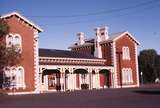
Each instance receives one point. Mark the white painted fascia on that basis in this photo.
(98, 60)
(22, 17)
(138, 43)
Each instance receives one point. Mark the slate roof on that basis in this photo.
(112, 36)
(63, 54)
(90, 41)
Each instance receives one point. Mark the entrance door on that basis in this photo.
(51, 81)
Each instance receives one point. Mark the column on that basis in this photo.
(98, 79)
(61, 81)
(70, 79)
(90, 79)
(112, 78)
(40, 79)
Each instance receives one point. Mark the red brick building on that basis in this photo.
(107, 60)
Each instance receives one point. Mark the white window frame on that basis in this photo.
(127, 75)
(14, 41)
(19, 76)
(9, 41)
(125, 53)
(19, 42)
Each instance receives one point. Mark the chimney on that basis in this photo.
(80, 38)
(97, 51)
(104, 33)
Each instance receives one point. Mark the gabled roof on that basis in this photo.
(116, 36)
(23, 18)
(64, 54)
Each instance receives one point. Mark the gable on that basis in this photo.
(25, 20)
(127, 34)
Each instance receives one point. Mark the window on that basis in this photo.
(16, 76)
(127, 75)
(125, 53)
(9, 40)
(20, 77)
(14, 40)
(17, 40)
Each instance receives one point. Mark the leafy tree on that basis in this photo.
(4, 28)
(9, 56)
(149, 64)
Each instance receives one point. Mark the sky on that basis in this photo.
(61, 20)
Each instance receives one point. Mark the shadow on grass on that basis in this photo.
(148, 92)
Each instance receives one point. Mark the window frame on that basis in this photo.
(125, 53)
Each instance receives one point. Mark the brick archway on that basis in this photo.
(105, 78)
(53, 78)
(81, 77)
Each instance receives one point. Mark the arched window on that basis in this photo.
(125, 53)
(17, 41)
(17, 77)
(20, 77)
(127, 75)
(7, 72)
(9, 40)
(130, 78)
(13, 77)
(14, 40)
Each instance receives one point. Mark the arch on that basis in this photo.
(53, 78)
(93, 72)
(7, 72)
(20, 77)
(81, 74)
(9, 40)
(105, 78)
(50, 71)
(66, 71)
(17, 39)
(80, 71)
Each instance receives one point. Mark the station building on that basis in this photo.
(104, 61)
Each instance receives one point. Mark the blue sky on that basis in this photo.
(60, 19)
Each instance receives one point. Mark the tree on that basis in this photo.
(4, 28)
(149, 64)
(9, 56)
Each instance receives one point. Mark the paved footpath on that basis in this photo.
(144, 97)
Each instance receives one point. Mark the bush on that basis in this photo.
(84, 86)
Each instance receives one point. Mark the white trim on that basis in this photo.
(137, 70)
(127, 75)
(22, 17)
(128, 86)
(58, 58)
(115, 65)
(129, 35)
(14, 71)
(13, 41)
(70, 67)
(126, 53)
(22, 93)
(36, 63)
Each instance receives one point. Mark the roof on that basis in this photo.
(64, 54)
(112, 37)
(89, 42)
(23, 18)
(115, 36)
